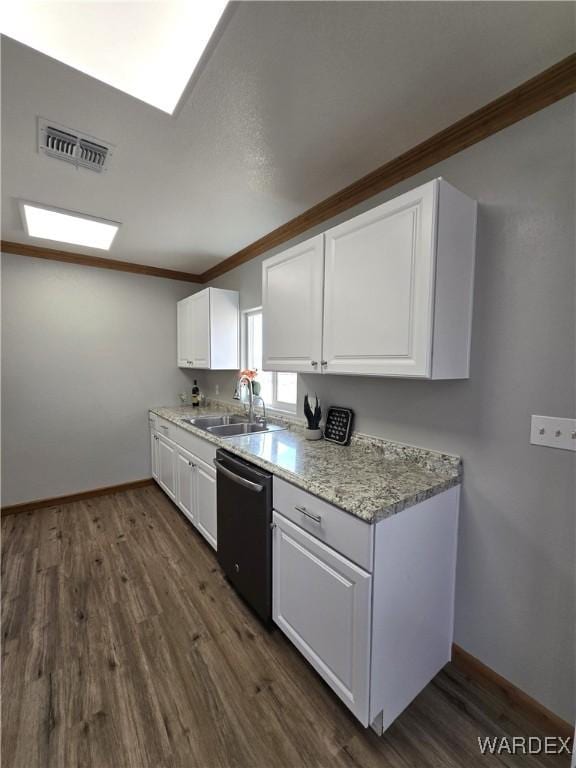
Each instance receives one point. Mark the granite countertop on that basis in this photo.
(371, 478)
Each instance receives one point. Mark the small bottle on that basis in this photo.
(195, 394)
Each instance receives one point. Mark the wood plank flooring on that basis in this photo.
(125, 647)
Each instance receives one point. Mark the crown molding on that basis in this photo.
(535, 94)
(22, 249)
(546, 88)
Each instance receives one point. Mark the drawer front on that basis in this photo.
(163, 426)
(200, 448)
(345, 533)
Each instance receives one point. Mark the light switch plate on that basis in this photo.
(553, 432)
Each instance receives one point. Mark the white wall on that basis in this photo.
(85, 353)
(515, 601)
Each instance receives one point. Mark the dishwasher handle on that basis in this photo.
(256, 487)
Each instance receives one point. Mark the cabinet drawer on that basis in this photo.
(163, 426)
(200, 448)
(343, 532)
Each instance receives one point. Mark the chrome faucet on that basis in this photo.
(248, 382)
(263, 419)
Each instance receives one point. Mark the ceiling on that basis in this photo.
(294, 101)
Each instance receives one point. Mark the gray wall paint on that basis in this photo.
(85, 353)
(515, 597)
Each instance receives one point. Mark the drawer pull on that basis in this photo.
(163, 426)
(311, 515)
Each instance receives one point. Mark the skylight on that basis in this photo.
(147, 48)
(68, 227)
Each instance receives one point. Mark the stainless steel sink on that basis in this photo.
(206, 422)
(246, 428)
(229, 425)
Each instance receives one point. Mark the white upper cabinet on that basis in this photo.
(292, 288)
(184, 336)
(208, 330)
(379, 283)
(200, 329)
(397, 290)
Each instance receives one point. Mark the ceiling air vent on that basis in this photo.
(72, 146)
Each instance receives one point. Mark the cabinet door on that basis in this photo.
(379, 281)
(184, 336)
(206, 502)
(154, 453)
(200, 329)
(167, 466)
(292, 288)
(322, 602)
(186, 483)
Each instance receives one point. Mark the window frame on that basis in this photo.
(274, 404)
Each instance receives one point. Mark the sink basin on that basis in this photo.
(206, 422)
(246, 428)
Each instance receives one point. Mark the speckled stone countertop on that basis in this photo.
(371, 478)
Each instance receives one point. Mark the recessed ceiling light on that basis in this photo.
(147, 48)
(67, 226)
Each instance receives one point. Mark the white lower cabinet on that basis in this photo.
(370, 606)
(206, 502)
(377, 633)
(188, 480)
(167, 466)
(154, 453)
(322, 602)
(186, 484)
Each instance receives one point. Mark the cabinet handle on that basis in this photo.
(163, 426)
(324, 363)
(311, 515)
(314, 363)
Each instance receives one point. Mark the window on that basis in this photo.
(277, 389)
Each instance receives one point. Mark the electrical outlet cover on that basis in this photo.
(553, 432)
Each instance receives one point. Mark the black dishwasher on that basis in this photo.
(244, 503)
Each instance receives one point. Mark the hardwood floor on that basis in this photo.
(124, 647)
